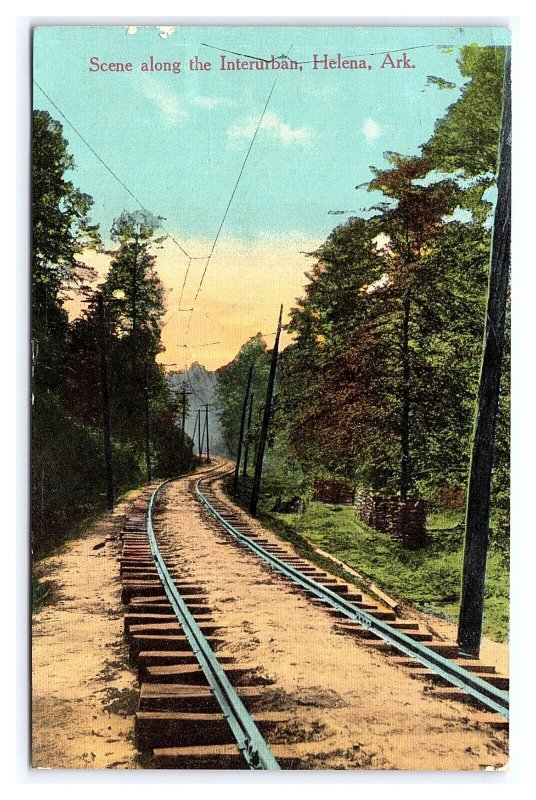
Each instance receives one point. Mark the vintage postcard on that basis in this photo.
(270, 397)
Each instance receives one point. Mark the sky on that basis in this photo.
(176, 143)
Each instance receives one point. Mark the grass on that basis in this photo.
(429, 578)
(41, 593)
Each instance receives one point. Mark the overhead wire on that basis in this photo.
(122, 184)
(109, 169)
(142, 206)
(226, 211)
(259, 123)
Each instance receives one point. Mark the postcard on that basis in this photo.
(270, 397)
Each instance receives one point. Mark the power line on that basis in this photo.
(105, 165)
(194, 346)
(235, 189)
(358, 55)
(201, 400)
(231, 198)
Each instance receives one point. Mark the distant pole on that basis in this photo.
(193, 434)
(206, 425)
(265, 421)
(172, 443)
(480, 474)
(148, 428)
(106, 405)
(242, 427)
(246, 437)
(183, 435)
(199, 431)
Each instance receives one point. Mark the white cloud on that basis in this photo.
(371, 130)
(272, 126)
(168, 104)
(211, 102)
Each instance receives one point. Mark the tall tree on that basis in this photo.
(410, 228)
(134, 299)
(61, 230)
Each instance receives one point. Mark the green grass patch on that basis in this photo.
(42, 592)
(429, 578)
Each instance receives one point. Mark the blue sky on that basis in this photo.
(178, 141)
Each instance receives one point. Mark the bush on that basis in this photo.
(68, 476)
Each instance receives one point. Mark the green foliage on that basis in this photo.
(132, 288)
(42, 591)
(342, 383)
(231, 389)
(466, 139)
(134, 305)
(68, 481)
(441, 83)
(68, 476)
(60, 221)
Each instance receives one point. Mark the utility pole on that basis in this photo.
(265, 422)
(206, 425)
(183, 428)
(480, 474)
(246, 437)
(242, 427)
(106, 405)
(193, 434)
(183, 440)
(199, 432)
(148, 427)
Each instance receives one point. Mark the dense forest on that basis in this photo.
(120, 324)
(379, 385)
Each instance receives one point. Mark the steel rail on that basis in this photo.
(493, 698)
(249, 739)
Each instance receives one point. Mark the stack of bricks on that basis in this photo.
(403, 521)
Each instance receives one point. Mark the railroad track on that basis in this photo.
(194, 698)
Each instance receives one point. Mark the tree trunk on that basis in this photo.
(405, 464)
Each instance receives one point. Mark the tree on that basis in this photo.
(134, 301)
(61, 230)
(343, 379)
(410, 228)
(232, 380)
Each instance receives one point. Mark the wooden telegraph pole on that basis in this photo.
(265, 422)
(148, 427)
(206, 426)
(193, 434)
(184, 393)
(199, 432)
(106, 405)
(242, 427)
(246, 437)
(480, 475)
